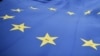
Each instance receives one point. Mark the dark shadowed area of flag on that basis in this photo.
(49, 27)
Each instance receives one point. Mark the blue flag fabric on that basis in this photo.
(50, 28)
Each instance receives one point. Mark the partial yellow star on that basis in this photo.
(7, 17)
(52, 9)
(70, 13)
(90, 43)
(87, 12)
(34, 8)
(47, 39)
(20, 27)
(17, 10)
(98, 13)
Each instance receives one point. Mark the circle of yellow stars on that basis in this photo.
(47, 39)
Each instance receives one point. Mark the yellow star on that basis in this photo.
(70, 13)
(20, 27)
(52, 9)
(90, 43)
(7, 17)
(17, 10)
(34, 8)
(88, 12)
(47, 39)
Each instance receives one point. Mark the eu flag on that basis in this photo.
(49, 27)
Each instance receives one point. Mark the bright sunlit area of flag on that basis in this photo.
(49, 27)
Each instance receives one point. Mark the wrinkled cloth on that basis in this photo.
(69, 28)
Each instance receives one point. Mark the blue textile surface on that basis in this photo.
(75, 23)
